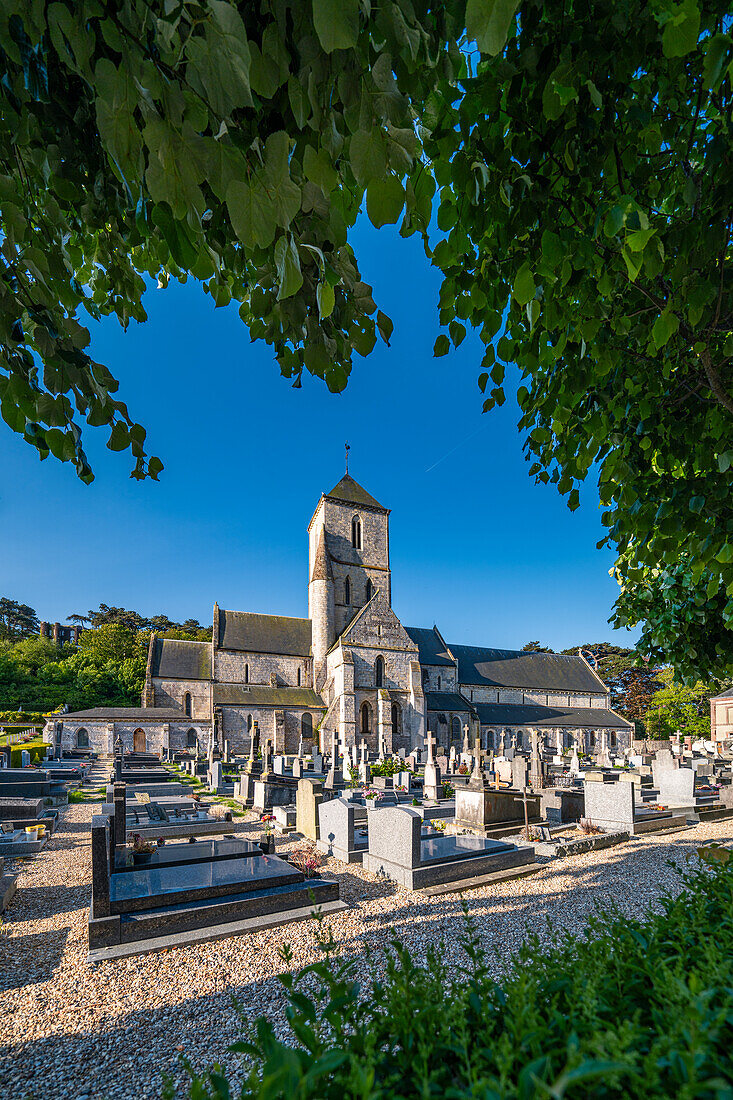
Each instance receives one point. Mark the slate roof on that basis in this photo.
(252, 633)
(176, 659)
(515, 668)
(134, 714)
(322, 565)
(447, 700)
(432, 648)
(351, 492)
(253, 695)
(532, 714)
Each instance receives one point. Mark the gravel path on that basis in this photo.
(69, 1031)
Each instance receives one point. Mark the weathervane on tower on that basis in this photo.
(347, 449)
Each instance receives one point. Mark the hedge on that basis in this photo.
(37, 749)
(638, 1009)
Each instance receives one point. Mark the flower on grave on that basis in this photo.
(140, 844)
(400, 788)
(463, 769)
(267, 820)
(372, 794)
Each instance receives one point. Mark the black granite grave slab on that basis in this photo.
(211, 911)
(145, 888)
(203, 851)
(445, 849)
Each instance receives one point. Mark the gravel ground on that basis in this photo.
(70, 1031)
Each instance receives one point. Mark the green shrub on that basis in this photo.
(37, 749)
(638, 1010)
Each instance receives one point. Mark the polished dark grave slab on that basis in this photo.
(445, 849)
(228, 884)
(203, 851)
(146, 887)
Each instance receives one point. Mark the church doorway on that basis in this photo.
(138, 741)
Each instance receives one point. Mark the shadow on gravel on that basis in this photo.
(356, 889)
(39, 954)
(49, 901)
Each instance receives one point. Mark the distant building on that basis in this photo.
(352, 667)
(721, 716)
(60, 634)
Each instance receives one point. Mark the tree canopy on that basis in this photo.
(576, 156)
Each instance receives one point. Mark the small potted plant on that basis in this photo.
(268, 844)
(31, 832)
(142, 849)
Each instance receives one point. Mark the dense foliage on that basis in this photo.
(679, 708)
(107, 669)
(17, 620)
(584, 203)
(231, 141)
(641, 1009)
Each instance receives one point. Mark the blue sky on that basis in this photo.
(476, 546)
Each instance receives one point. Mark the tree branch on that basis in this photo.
(715, 382)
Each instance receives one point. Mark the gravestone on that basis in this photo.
(308, 799)
(520, 772)
(432, 786)
(399, 850)
(343, 829)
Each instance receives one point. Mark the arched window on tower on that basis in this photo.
(246, 674)
(440, 683)
(366, 719)
(356, 533)
(299, 675)
(369, 590)
(347, 591)
(306, 727)
(379, 672)
(187, 704)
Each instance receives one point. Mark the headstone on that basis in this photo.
(519, 773)
(432, 786)
(25, 758)
(308, 798)
(343, 829)
(334, 778)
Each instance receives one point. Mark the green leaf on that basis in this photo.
(717, 49)
(368, 155)
(725, 461)
(638, 240)
(488, 22)
(326, 299)
(219, 59)
(385, 326)
(524, 286)
(252, 214)
(287, 262)
(681, 30)
(319, 169)
(336, 23)
(665, 326)
(385, 201)
(442, 346)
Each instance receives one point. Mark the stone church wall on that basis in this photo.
(230, 667)
(172, 693)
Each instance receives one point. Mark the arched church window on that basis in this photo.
(456, 728)
(249, 723)
(356, 533)
(396, 718)
(440, 683)
(306, 727)
(366, 719)
(246, 674)
(379, 672)
(187, 704)
(369, 590)
(347, 591)
(191, 739)
(298, 675)
(82, 739)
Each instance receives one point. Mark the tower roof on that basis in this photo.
(322, 564)
(351, 492)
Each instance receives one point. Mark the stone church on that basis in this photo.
(351, 666)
